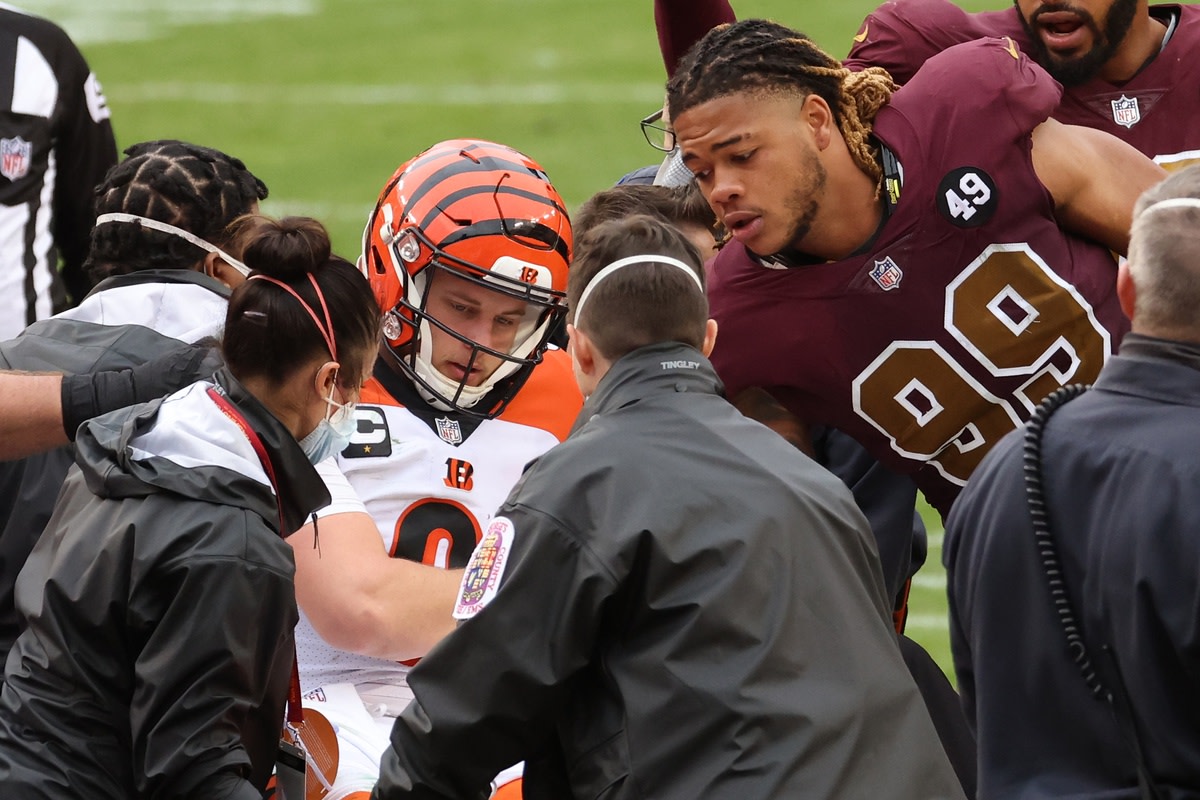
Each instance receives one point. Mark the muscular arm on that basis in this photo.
(360, 599)
(30, 414)
(682, 23)
(37, 410)
(1094, 179)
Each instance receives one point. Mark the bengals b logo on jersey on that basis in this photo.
(459, 474)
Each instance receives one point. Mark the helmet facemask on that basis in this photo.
(412, 323)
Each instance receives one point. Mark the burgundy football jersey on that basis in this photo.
(901, 34)
(1155, 111)
(1158, 110)
(970, 306)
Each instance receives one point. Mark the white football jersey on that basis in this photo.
(431, 480)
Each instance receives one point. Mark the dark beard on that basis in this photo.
(808, 206)
(1081, 69)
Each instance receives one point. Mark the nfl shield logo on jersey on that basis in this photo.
(15, 156)
(449, 430)
(1126, 112)
(887, 274)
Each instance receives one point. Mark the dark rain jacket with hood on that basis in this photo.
(126, 321)
(684, 607)
(159, 607)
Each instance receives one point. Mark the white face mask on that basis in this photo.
(164, 227)
(333, 432)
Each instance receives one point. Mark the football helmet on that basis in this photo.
(485, 213)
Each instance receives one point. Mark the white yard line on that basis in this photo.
(328, 213)
(326, 95)
(129, 20)
(927, 622)
(933, 582)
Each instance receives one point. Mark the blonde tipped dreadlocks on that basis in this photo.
(759, 55)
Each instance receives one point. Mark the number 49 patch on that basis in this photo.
(967, 197)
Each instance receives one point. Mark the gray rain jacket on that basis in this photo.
(687, 608)
(159, 607)
(126, 320)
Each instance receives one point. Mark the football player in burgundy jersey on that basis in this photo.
(1127, 67)
(917, 269)
(1071, 554)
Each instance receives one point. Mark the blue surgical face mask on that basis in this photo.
(332, 434)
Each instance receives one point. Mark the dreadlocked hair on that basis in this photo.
(198, 189)
(757, 55)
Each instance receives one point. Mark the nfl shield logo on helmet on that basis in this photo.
(887, 274)
(15, 157)
(449, 430)
(1126, 112)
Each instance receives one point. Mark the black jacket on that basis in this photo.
(1121, 476)
(687, 607)
(126, 321)
(159, 607)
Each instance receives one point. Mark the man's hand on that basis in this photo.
(87, 396)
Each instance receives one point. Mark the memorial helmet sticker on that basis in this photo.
(482, 577)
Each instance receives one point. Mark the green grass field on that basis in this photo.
(323, 99)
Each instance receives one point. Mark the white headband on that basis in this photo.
(154, 224)
(1173, 202)
(625, 262)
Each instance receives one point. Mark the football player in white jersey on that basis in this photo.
(467, 251)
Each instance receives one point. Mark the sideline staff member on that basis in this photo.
(158, 606)
(674, 601)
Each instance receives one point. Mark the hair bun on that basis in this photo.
(284, 249)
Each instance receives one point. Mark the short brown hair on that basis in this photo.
(643, 304)
(680, 205)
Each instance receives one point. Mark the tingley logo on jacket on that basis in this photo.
(887, 274)
(1126, 112)
(16, 154)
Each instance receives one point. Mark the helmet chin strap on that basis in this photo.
(468, 396)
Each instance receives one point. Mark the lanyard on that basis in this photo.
(295, 710)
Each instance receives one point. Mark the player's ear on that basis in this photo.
(710, 337)
(1126, 291)
(816, 114)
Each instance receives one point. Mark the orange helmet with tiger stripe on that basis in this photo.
(484, 213)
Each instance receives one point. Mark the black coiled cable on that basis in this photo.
(1031, 465)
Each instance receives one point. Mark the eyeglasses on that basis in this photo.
(658, 136)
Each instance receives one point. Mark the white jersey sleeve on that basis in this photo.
(343, 497)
